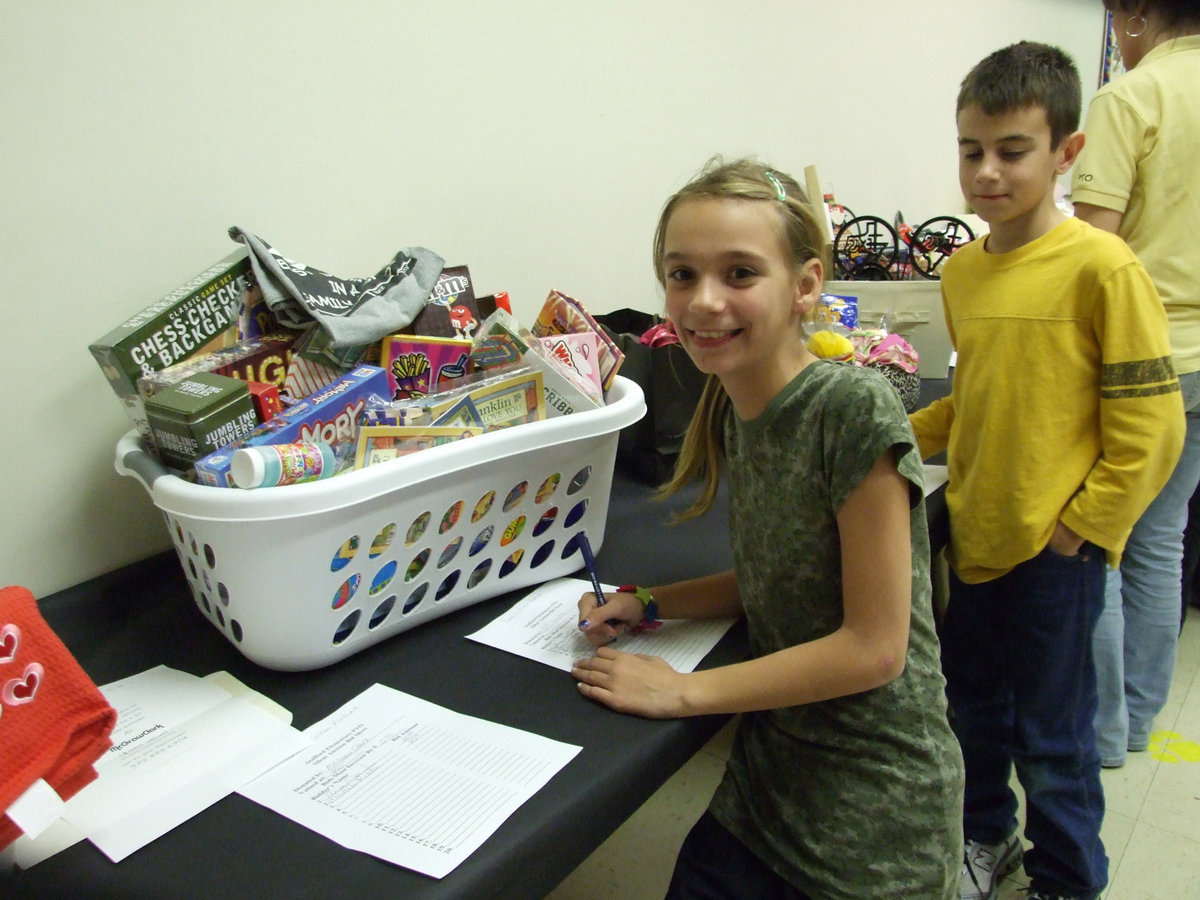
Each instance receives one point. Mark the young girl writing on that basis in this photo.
(845, 779)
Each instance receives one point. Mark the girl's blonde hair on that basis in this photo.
(702, 456)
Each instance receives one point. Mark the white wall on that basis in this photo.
(534, 141)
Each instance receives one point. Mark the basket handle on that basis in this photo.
(133, 460)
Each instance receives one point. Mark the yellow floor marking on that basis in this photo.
(1169, 746)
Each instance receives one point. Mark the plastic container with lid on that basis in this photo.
(274, 464)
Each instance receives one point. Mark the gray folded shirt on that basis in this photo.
(352, 311)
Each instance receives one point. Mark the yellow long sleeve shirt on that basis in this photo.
(1064, 403)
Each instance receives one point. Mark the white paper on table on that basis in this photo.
(36, 809)
(935, 477)
(180, 744)
(544, 626)
(408, 781)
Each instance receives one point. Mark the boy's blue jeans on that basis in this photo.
(1017, 655)
(1138, 631)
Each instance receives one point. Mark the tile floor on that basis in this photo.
(1151, 830)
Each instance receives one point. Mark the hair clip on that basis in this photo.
(779, 191)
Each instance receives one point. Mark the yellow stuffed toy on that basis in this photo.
(831, 345)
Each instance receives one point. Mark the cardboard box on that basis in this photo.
(914, 310)
(172, 329)
(452, 289)
(265, 397)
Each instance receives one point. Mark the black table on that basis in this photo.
(141, 616)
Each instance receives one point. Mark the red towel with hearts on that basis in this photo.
(54, 722)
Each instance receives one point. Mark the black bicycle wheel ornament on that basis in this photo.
(934, 241)
(865, 249)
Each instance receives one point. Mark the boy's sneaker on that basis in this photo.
(1042, 895)
(986, 865)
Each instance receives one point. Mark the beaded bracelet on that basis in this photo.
(649, 605)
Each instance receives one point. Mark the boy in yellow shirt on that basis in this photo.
(1064, 421)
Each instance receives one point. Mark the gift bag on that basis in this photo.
(647, 449)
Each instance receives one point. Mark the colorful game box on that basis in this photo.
(261, 359)
(505, 401)
(419, 365)
(313, 364)
(330, 415)
(561, 314)
(267, 403)
(380, 443)
(173, 328)
(501, 341)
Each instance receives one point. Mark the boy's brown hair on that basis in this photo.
(1022, 75)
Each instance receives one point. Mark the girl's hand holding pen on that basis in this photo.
(604, 624)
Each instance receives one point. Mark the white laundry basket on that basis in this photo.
(303, 575)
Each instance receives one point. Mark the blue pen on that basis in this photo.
(590, 561)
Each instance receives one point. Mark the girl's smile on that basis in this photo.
(714, 335)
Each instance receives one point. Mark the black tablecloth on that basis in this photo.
(142, 616)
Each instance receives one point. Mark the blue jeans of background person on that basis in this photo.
(1017, 655)
(1138, 631)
